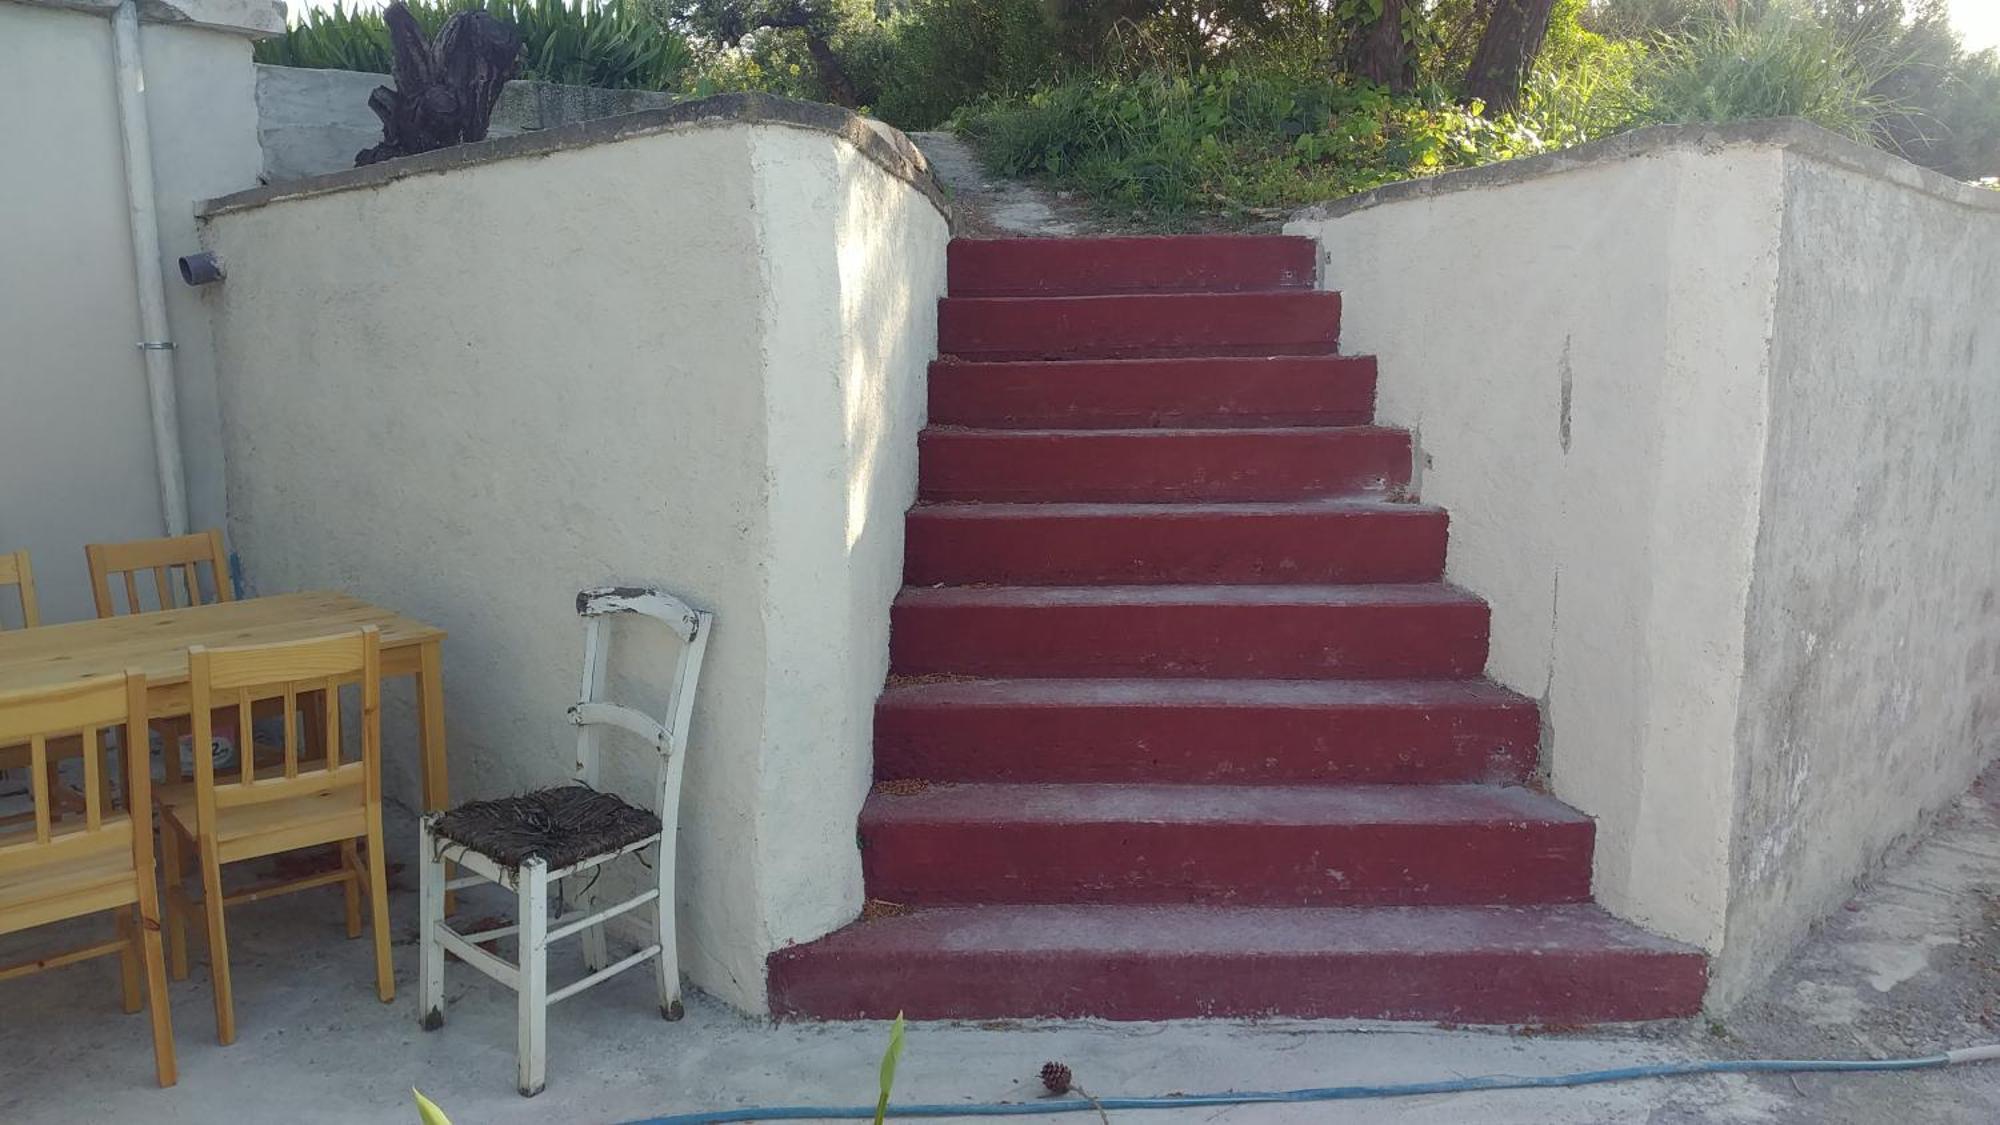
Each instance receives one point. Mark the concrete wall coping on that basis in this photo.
(1789, 133)
(255, 18)
(886, 147)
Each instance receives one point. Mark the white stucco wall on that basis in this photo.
(76, 446)
(1873, 640)
(1592, 351)
(673, 358)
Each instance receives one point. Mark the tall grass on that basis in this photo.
(1781, 63)
(615, 44)
(1229, 140)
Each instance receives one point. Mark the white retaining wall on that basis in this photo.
(687, 351)
(1714, 411)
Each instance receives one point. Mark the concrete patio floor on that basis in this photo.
(1911, 967)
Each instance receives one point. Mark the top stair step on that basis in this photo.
(1047, 267)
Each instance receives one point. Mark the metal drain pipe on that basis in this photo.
(155, 345)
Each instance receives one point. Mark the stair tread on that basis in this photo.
(1099, 509)
(1414, 694)
(1368, 594)
(1233, 433)
(1538, 929)
(949, 364)
(1099, 803)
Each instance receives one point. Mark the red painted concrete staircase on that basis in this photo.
(1183, 719)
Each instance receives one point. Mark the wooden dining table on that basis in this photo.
(157, 644)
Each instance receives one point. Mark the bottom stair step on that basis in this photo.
(1569, 963)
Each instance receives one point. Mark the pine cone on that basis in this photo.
(1056, 1077)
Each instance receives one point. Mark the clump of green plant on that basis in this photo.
(1781, 62)
(1232, 140)
(613, 44)
(887, 1076)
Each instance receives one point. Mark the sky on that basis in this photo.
(1978, 22)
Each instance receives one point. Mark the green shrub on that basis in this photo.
(1782, 63)
(614, 44)
(942, 54)
(1231, 140)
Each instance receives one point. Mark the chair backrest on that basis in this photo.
(667, 735)
(15, 572)
(226, 680)
(83, 709)
(163, 557)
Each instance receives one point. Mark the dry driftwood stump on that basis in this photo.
(444, 92)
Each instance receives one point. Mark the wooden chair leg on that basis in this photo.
(350, 861)
(148, 920)
(596, 952)
(430, 915)
(218, 948)
(667, 966)
(174, 865)
(170, 748)
(128, 959)
(532, 1034)
(378, 908)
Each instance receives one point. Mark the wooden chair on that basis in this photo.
(530, 842)
(173, 563)
(104, 862)
(252, 812)
(15, 572)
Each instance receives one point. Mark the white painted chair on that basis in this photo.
(534, 841)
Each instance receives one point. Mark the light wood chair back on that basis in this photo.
(281, 803)
(15, 572)
(82, 710)
(173, 563)
(223, 681)
(55, 868)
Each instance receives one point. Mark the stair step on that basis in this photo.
(1013, 267)
(1305, 322)
(1419, 631)
(1538, 964)
(1072, 544)
(1325, 390)
(1206, 731)
(1148, 466)
(1225, 844)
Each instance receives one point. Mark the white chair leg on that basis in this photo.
(668, 964)
(533, 1034)
(430, 960)
(596, 953)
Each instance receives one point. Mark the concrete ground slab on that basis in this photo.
(1911, 968)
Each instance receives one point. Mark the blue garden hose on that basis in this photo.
(1340, 1093)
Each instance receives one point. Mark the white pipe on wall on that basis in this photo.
(155, 346)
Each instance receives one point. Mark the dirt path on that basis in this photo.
(986, 206)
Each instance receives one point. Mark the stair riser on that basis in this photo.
(1137, 394)
(1279, 641)
(1171, 547)
(1503, 987)
(1237, 864)
(1145, 468)
(1042, 267)
(1208, 745)
(1235, 324)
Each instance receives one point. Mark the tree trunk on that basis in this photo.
(1507, 53)
(1379, 54)
(839, 87)
(444, 92)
